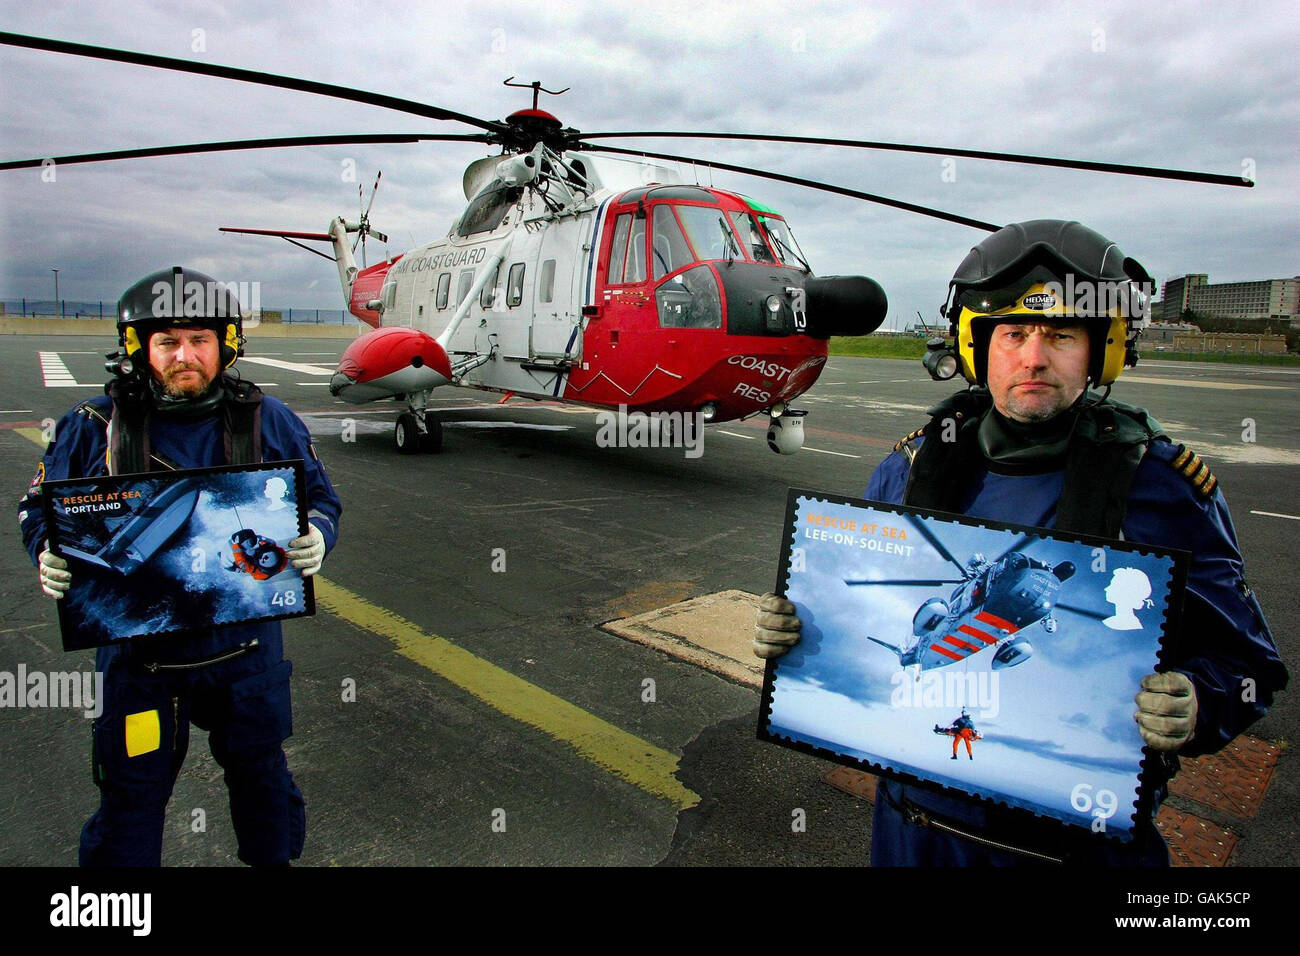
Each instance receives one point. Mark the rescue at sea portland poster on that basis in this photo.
(177, 551)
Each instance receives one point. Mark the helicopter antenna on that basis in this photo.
(536, 87)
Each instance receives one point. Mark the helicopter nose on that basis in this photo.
(844, 305)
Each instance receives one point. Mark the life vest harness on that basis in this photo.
(1105, 449)
(129, 452)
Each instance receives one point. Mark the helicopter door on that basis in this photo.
(557, 291)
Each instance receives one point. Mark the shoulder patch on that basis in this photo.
(1188, 464)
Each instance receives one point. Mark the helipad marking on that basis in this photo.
(56, 374)
(623, 754)
(1193, 384)
(823, 451)
(1274, 514)
(300, 367)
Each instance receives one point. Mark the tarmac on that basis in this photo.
(548, 639)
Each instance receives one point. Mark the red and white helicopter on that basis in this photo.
(588, 279)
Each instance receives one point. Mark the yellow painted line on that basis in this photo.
(624, 755)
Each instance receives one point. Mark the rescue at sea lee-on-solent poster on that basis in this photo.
(998, 661)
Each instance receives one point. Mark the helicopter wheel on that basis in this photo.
(431, 441)
(406, 434)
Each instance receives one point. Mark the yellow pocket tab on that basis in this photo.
(143, 733)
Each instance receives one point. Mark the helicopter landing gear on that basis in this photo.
(417, 430)
(406, 434)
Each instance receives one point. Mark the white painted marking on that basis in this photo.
(823, 451)
(317, 384)
(723, 431)
(313, 353)
(56, 374)
(1274, 514)
(16, 411)
(299, 367)
(540, 428)
(1229, 386)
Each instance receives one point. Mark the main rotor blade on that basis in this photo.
(1019, 545)
(938, 545)
(244, 144)
(1123, 169)
(246, 76)
(810, 183)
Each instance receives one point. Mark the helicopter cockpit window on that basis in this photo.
(747, 226)
(487, 295)
(515, 285)
(710, 233)
(444, 291)
(463, 286)
(783, 242)
(488, 209)
(668, 247)
(635, 271)
(618, 248)
(690, 300)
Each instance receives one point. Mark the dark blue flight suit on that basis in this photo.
(240, 695)
(1225, 641)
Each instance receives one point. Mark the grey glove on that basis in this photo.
(776, 629)
(55, 576)
(1166, 714)
(308, 552)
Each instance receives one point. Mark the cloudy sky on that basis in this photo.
(1204, 86)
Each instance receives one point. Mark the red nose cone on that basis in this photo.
(386, 351)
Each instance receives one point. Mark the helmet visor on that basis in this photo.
(1074, 296)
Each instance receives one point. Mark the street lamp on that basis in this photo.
(56, 287)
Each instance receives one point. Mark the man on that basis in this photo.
(173, 405)
(1039, 311)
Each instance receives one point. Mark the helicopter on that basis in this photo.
(993, 605)
(581, 278)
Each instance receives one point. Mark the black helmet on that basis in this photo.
(172, 298)
(1049, 270)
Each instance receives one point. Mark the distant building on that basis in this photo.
(1238, 342)
(1263, 299)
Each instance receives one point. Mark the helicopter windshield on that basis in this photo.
(488, 209)
(710, 232)
(747, 226)
(783, 242)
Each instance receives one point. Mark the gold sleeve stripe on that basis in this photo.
(898, 445)
(1190, 466)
